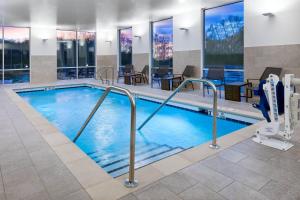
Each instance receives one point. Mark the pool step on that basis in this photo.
(102, 157)
(124, 168)
(118, 163)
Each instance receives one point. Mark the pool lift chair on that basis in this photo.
(275, 133)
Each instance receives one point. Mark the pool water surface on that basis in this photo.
(106, 138)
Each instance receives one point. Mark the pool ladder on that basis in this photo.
(213, 145)
(130, 182)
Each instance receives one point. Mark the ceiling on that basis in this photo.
(88, 14)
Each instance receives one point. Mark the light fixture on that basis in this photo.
(268, 14)
(137, 36)
(183, 29)
(81, 42)
(44, 39)
(108, 41)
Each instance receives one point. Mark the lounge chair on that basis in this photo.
(188, 72)
(141, 77)
(125, 71)
(216, 75)
(252, 83)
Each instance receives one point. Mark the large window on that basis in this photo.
(162, 44)
(86, 54)
(75, 54)
(1, 56)
(224, 40)
(15, 42)
(66, 55)
(125, 46)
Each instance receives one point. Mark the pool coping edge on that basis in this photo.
(107, 187)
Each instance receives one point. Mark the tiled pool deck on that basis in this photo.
(39, 162)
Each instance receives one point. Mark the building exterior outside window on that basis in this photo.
(125, 46)
(162, 45)
(86, 54)
(15, 55)
(76, 54)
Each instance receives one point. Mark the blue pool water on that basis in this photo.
(106, 138)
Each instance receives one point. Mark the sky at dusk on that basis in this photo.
(66, 35)
(16, 34)
(215, 15)
(126, 33)
(163, 27)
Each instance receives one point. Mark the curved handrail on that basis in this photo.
(130, 182)
(215, 106)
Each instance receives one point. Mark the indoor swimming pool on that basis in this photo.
(106, 138)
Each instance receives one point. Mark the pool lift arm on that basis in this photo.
(276, 134)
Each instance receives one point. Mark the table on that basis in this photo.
(127, 79)
(166, 83)
(233, 91)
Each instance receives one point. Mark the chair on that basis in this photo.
(188, 72)
(142, 76)
(159, 74)
(252, 87)
(125, 71)
(217, 76)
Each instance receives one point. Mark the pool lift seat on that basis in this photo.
(276, 134)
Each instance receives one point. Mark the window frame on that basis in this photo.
(2, 27)
(77, 67)
(204, 36)
(119, 45)
(151, 40)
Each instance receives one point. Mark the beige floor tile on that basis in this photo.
(69, 152)
(56, 139)
(145, 176)
(37, 120)
(229, 140)
(46, 129)
(110, 190)
(88, 172)
(199, 153)
(171, 164)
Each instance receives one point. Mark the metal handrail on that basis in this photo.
(105, 70)
(130, 182)
(215, 107)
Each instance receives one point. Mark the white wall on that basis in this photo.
(183, 40)
(40, 48)
(104, 47)
(282, 29)
(191, 39)
(141, 45)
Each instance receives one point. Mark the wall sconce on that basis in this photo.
(268, 14)
(108, 41)
(183, 29)
(138, 36)
(44, 40)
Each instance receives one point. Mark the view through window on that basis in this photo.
(125, 38)
(224, 40)
(162, 45)
(75, 54)
(86, 54)
(15, 46)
